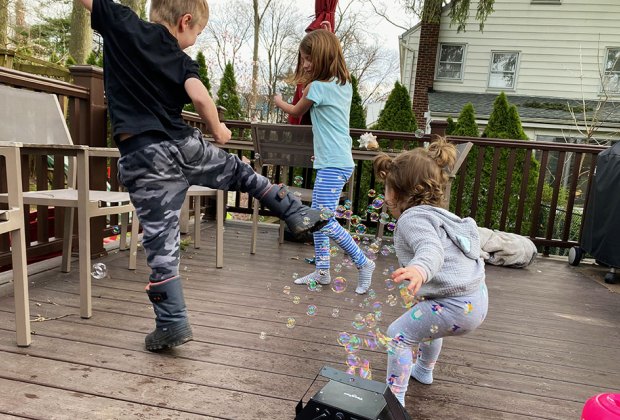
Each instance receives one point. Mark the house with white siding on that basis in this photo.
(548, 56)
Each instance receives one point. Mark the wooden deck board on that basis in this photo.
(549, 342)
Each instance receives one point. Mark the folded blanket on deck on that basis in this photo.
(507, 249)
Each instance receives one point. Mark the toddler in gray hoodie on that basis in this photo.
(439, 257)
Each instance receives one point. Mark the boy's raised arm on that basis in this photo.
(88, 4)
(207, 110)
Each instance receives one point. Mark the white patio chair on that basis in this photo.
(196, 193)
(12, 222)
(36, 120)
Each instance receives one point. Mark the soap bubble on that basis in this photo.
(419, 133)
(290, 323)
(339, 284)
(99, 271)
(311, 310)
(372, 193)
(298, 180)
(343, 338)
(326, 214)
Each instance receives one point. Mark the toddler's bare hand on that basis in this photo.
(412, 275)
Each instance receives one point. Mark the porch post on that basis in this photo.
(89, 127)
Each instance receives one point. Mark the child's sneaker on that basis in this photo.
(320, 276)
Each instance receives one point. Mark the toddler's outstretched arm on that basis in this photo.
(414, 274)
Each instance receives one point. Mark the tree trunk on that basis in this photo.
(254, 94)
(81, 40)
(4, 23)
(20, 23)
(138, 6)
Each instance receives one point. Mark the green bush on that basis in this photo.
(227, 94)
(504, 123)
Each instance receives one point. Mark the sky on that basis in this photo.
(385, 31)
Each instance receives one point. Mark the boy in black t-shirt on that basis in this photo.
(148, 79)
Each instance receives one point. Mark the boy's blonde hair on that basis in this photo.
(417, 176)
(168, 12)
(326, 56)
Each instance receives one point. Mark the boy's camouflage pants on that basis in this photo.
(157, 178)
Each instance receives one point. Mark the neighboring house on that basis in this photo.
(373, 110)
(544, 54)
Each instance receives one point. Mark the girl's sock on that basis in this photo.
(422, 374)
(365, 277)
(320, 276)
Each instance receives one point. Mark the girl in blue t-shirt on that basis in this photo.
(327, 95)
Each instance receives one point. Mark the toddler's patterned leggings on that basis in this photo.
(425, 324)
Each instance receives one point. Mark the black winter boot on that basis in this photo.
(299, 218)
(172, 326)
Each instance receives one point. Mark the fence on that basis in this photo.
(503, 184)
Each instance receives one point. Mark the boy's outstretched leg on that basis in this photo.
(298, 217)
(172, 326)
(207, 165)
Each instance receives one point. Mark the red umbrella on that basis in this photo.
(324, 12)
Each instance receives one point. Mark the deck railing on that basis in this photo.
(536, 189)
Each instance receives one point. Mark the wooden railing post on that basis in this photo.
(438, 128)
(89, 127)
(6, 58)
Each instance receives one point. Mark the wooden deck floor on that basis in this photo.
(550, 341)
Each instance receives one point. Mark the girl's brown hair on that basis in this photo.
(326, 56)
(417, 176)
(168, 12)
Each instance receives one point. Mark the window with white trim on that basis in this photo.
(451, 59)
(611, 77)
(503, 70)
